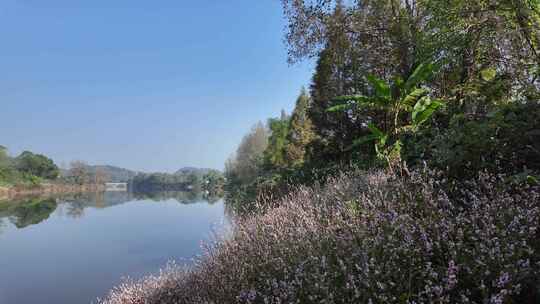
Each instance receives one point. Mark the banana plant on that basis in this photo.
(400, 96)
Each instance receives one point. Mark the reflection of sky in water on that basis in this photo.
(73, 249)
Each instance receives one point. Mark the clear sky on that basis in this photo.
(146, 85)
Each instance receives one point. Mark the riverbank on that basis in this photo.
(9, 192)
(342, 243)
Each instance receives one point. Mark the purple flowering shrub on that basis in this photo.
(369, 238)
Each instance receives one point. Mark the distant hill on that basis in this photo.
(114, 174)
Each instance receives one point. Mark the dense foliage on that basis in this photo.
(37, 165)
(457, 88)
(26, 169)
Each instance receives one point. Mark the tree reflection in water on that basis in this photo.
(27, 212)
(30, 211)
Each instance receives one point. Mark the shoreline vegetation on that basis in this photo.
(30, 174)
(408, 172)
(16, 192)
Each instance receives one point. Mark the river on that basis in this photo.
(73, 249)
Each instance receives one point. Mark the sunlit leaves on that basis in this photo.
(410, 99)
(424, 109)
(488, 74)
(373, 128)
(413, 97)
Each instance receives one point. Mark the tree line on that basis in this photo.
(30, 169)
(400, 84)
(210, 181)
(26, 168)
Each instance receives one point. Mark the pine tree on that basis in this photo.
(300, 131)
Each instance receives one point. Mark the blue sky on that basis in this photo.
(146, 85)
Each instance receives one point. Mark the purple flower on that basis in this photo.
(451, 274)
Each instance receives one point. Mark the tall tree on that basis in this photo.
(335, 130)
(300, 133)
(393, 37)
(274, 155)
(247, 163)
(486, 50)
(485, 53)
(348, 40)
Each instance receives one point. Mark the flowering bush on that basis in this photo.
(369, 238)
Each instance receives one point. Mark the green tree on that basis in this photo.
(486, 53)
(391, 37)
(300, 133)
(472, 36)
(334, 76)
(246, 166)
(395, 99)
(274, 154)
(213, 182)
(37, 165)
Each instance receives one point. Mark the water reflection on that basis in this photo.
(34, 210)
(189, 197)
(27, 212)
(73, 248)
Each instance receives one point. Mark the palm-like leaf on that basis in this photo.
(393, 99)
(340, 107)
(362, 140)
(412, 98)
(382, 89)
(359, 100)
(424, 109)
(399, 83)
(373, 128)
(420, 74)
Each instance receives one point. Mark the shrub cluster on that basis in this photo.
(369, 238)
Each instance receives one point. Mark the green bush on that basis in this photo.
(37, 165)
(507, 140)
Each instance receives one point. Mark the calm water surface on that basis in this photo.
(74, 249)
